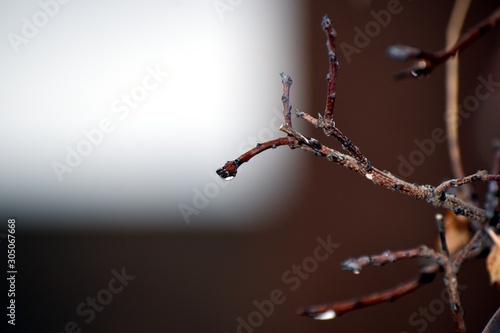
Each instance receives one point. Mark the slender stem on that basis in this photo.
(480, 175)
(285, 98)
(435, 196)
(452, 83)
(493, 325)
(471, 35)
(229, 170)
(451, 283)
(356, 264)
(492, 194)
(450, 280)
(442, 237)
(333, 310)
(494, 237)
(464, 254)
(426, 62)
(331, 92)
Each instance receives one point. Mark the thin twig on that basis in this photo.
(333, 310)
(356, 264)
(464, 253)
(285, 98)
(442, 237)
(494, 237)
(450, 281)
(426, 62)
(452, 83)
(229, 170)
(331, 94)
(481, 175)
(492, 194)
(435, 196)
(493, 325)
(476, 243)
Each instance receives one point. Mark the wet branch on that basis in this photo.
(427, 275)
(332, 310)
(426, 62)
(481, 175)
(229, 170)
(331, 93)
(388, 257)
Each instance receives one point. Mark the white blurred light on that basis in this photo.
(159, 147)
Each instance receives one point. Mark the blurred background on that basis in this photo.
(115, 116)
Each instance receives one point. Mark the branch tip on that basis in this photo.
(228, 171)
(403, 52)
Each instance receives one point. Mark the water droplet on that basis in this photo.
(228, 171)
(421, 68)
(327, 315)
(356, 271)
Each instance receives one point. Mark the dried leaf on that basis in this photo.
(493, 260)
(457, 232)
(493, 265)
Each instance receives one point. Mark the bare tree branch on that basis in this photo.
(388, 257)
(451, 281)
(355, 161)
(331, 92)
(333, 310)
(426, 62)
